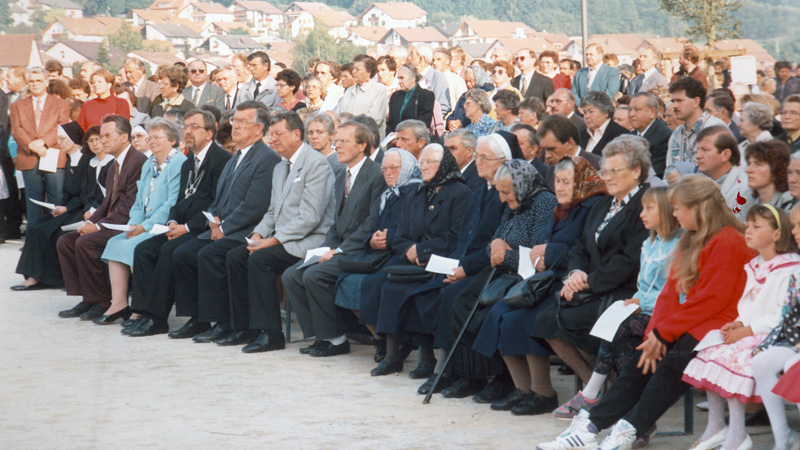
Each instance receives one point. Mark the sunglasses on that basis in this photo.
(198, 71)
(521, 58)
(498, 72)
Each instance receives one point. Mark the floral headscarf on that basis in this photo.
(586, 184)
(526, 181)
(448, 171)
(409, 174)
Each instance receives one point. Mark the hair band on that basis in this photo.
(774, 213)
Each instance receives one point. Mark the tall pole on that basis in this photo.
(584, 29)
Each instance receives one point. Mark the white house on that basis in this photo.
(19, 15)
(394, 15)
(301, 16)
(177, 35)
(94, 29)
(228, 45)
(366, 36)
(155, 59)
(408, 36)
(70, 8)
(258, 14)
(69, 53)
(472, 31)
(205, 13)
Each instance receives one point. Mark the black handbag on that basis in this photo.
(363, 262)
(532, 290)
(498, 288)
(408, 274)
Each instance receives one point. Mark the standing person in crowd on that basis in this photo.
(262, 86)
(767, 167)
(288, 83)
(597, 76)
(200, 91)
(410, 101)
(646, 123)
(718, 158)
(312, 289)
(146, 91)
(461, 144)
(688, 59)
(506, 108)
(458, 61)
(530, 82)
(301, 212)
(201, 284)
(104, 103)
(768, 276)
(153, 293)
(477, 108)
(34, 127)
(688, 99)
(548, 66)
(790, 120)
(601, 129)
(532, 112)
(421, 57)
(387, 69)
(710, 254)
(320, 130)
(455, 84)
(563, 102)
(755, 124)
(650, 77)
(171, 81)
(475, 77)
(328, 74)
(502, 73)
(157, 191)
(720, 104)
(315, 94)
(367, 96)
(79, 252)
(243, 73)
(226, 78)
(786, 83)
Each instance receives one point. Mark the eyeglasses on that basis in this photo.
(483, 158)
(521, 58)
(276, 134)
(197, 71)
(498, 72)
(155, 138)
(241, 122)
(193, 127)
(387, 169)
(428, 162)
(610, 173)
(281, 84)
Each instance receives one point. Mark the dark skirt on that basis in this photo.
(571, 324)
(371, 287)
(613, 356)
(507, 331)
(39, 258)
(348, 290)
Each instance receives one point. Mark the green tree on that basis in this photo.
(5, 17)
(126, 38)
(187, 49)
(238, 32)
(317, 43)
(103, 58)
(708, 19)
(41, 18)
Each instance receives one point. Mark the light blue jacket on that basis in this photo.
(655, 261)
(163, 192)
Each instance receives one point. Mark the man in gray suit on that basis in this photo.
(300, 214)
(421, 56)
(146, 90)
(311, 289)
(262, 87)
(200, 91)
(651, 76)
(242, 199)
(597, 76)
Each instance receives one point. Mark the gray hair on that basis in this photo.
(228, 67)
(35, 69)
(417, 127)
(467, 137)
(758, 114)
(564, 164)
(599, 100)
(425, 51)
(322, 118)
(167, 126)
(652, 100)
(503, 173)
(138, 62)
(436, 149)
(533, 136)
(398, 50)
(634, 149)
(480, 97)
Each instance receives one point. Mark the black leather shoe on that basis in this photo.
(505, 404)
(463, 388)
(134, 325)
(380, 350)
(31, 287)
(129, 322)
(218, 331)
(108, 319)
(387, 368)
(93, 313)
(498, 389)
(325, 349)
(534, 404)
(147, 326)
(267, 342)
(445, 382)
(238, 337)
(421, 371)
(190, 329)
(307, 350)
(75, 311)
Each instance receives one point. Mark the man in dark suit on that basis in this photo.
(646, 123)
(153, 284)
(563, 102)
(311, 289)
(598, 113)
(530, 82)
(300, 214)
(79, 252)
(559, 137)
(597, 76)
(243, 192)
(461, 144)
(200, 92)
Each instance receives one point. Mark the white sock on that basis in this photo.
(338, 340)
(766, 367)
(716, 415)
(736, 432)
(592, 389)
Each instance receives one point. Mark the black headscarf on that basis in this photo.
(526, 181)
(513, 144)
(448, 171)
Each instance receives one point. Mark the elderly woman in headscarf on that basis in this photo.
(578, 187)
(475, 78)
(430, 223)
(139, 140)
(529, 204)
(402, 178)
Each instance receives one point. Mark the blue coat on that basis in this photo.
(564, 234)
(606, 80)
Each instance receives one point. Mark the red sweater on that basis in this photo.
(712, 301)
(93, 111)
(562, 81)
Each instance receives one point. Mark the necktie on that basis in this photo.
(347, 185)
(228, 102)
(116, 182)
(196, 165)
(255, 93)
(195, 95)
(523, 85)
(38, 112)
(288, 169)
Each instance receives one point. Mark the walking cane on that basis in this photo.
(427, 398)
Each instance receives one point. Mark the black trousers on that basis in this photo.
(253, 291)
(201, 279)
(13, 205)
(643, 399)
(153, 286)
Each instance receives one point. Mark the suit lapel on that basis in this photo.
(294, 172)
(357, 191)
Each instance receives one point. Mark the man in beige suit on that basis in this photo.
(146, 90)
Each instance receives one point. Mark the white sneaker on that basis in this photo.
(576, 437)
(622, 436)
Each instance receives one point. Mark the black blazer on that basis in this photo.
(355, 215)
(619, 245)
(612, 131)
(419, 107)
(433, 227)
(471, 177)
(480, 221)
(81, 191)
(389, 218)
(562, 235)
(191, 203)
(540, 86)
(658, 139)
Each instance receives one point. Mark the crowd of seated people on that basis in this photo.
(228, 194)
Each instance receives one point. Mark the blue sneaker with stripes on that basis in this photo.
(576, 437)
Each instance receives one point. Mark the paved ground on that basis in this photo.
(75, 385)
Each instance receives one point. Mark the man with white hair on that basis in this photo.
(651, 76)
(227, 79)
(441, 62)
(146, 91)
(421, 56)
